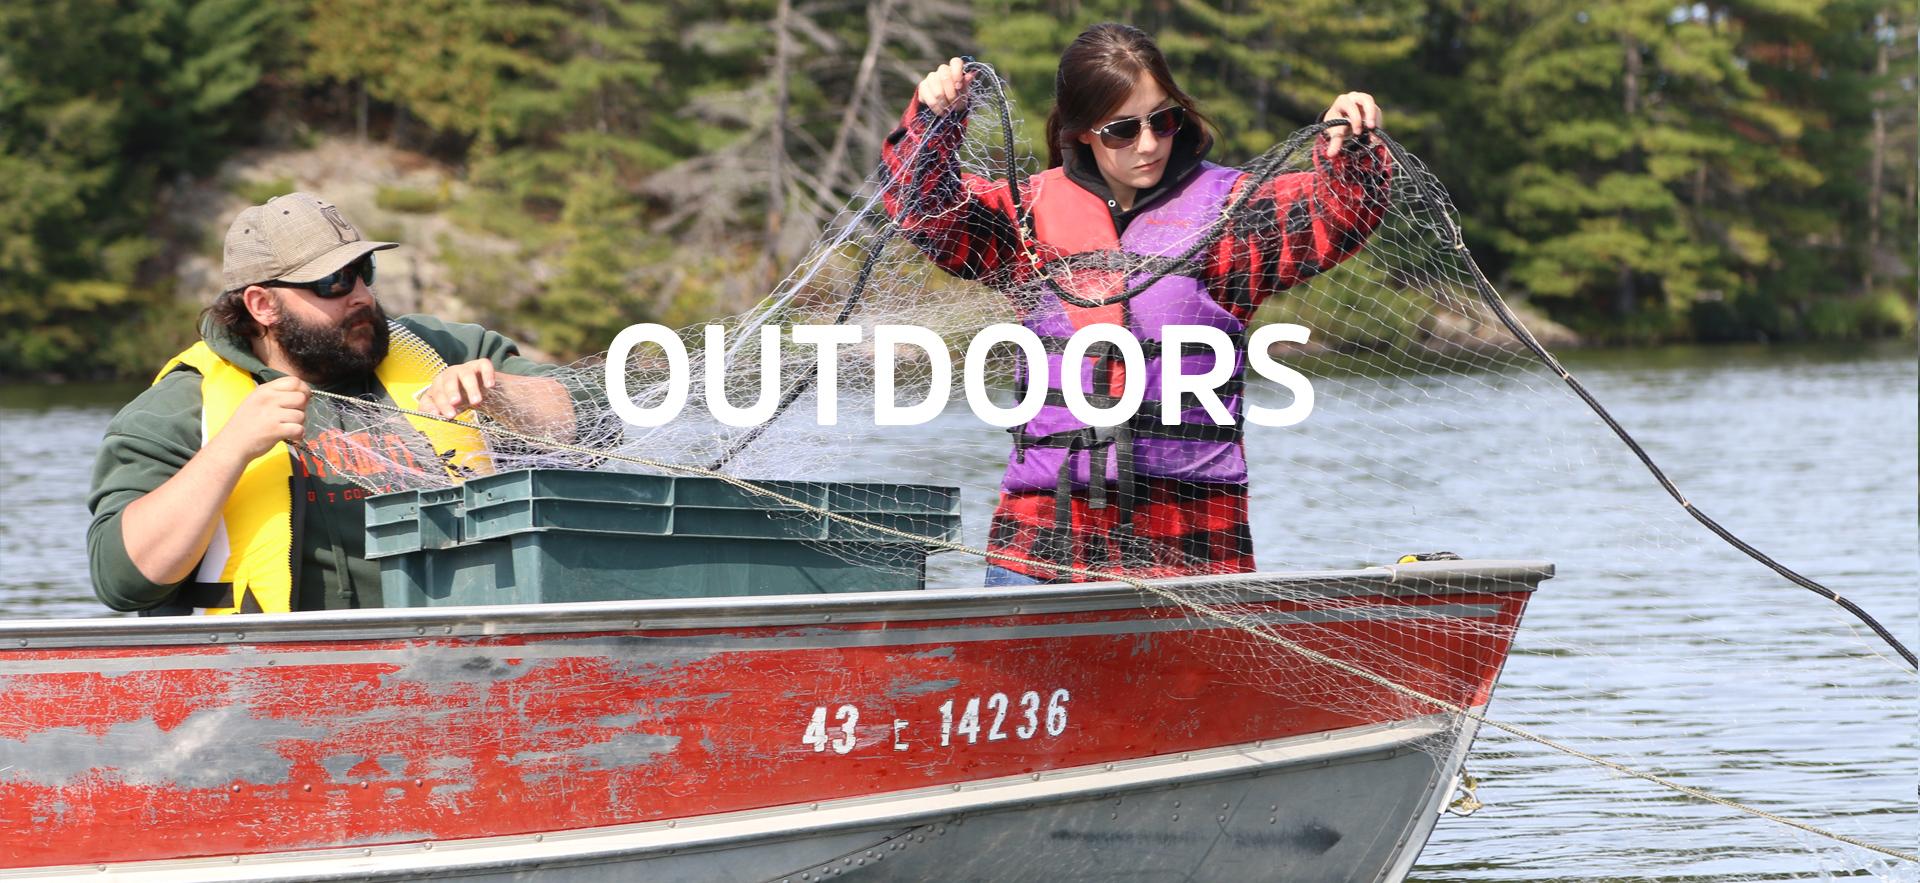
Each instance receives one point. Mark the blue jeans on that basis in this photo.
(999, 577)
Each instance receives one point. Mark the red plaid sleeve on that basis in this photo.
(1300, 225)
(962, 222)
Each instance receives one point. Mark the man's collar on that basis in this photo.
(235, 349)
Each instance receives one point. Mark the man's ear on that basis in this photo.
(264, 305)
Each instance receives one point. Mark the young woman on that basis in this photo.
(1127, 182)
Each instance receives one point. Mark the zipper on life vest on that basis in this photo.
(296, 528)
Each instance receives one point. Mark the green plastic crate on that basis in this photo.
(410, 521)
(537, 536)
(568, 484)
(555, 566)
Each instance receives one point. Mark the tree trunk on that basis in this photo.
(397, 133)
(1631, 83)
(777, 140)
(360, 110)
(599, 52)
(1876, 166)
(878, 12)
(1625, 299)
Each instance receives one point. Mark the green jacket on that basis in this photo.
(159, 431)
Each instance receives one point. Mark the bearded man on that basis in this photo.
(218, 491)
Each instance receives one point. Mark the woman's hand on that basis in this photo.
(943, 87)
(1358, 109)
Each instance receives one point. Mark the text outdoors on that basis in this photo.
(888, 340)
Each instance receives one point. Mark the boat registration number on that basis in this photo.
(1033, 714)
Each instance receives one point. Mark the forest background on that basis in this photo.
(1639, 171)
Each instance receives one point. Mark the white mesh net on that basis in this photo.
(1432, 428)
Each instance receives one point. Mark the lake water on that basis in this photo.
(1655, 644)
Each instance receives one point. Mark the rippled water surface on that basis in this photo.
(1654, 644)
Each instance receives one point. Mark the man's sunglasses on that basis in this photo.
(1123, 133)
(340, 282)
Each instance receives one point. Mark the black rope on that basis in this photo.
(872, 260)
(1262, 170)
(801, 386)
(1439, 203)
(1006, 133)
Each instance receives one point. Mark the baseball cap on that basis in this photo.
(298, 237)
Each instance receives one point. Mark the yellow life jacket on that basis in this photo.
(252, 546)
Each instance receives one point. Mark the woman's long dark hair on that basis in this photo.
(1097, 75)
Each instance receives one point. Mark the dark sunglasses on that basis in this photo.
(340, 282)
(1123, 133)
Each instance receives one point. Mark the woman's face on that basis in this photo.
(1140, 164)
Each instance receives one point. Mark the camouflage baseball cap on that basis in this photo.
(295, 238)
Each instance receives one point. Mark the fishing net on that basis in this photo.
(1433, 427)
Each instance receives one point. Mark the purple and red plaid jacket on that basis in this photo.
(1294, 227)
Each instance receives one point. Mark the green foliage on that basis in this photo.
(1641, 170)
(258, 192)
(412, 201)
(1884, 315)
(101, 104)
(594, 294)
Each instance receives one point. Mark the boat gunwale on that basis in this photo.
(1419, 579)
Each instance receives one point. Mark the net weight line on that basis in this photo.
(1269, 164)
(1498, 305)
(1257, 629)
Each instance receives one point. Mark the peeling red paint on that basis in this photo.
(447, 738)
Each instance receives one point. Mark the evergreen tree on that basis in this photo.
(1259, 68)
(1644, 140)
(102, 105)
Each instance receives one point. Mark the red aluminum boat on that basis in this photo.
(1084, 732)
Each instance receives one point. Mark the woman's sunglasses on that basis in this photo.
(340, 282)
(1123, 133)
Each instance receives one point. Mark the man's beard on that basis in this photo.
(324, 353)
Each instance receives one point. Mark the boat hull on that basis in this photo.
(1081, 732)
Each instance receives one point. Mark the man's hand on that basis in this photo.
(276, 411)
(940, 89)
(459, 388)
(1358, 109)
